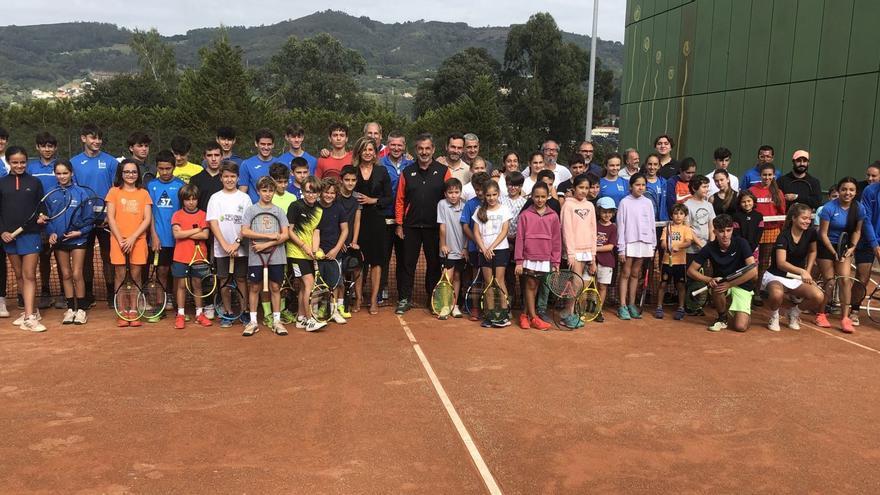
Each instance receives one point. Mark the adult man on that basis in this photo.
(374, 131)
(419, 190)
(872, 175)
(394, 161)
(472, 151)
(208, 180)
(95, 169)
(753, 175)
(138, 150)
(226, 140)
(727, 255)
(798, 185)
(631, 161)
(550, 150)
(258, 165)
(586, 150)
(337, 135)
(294, 134)
(43, 168)
(721, 160)
(457, 166)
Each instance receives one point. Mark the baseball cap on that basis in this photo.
(800, 154)
(606, 203)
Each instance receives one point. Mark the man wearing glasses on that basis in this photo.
(550, 149)
(586, 150)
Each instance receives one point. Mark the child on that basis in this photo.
(748, 222)
(491, 222)
(538, 250)
(299, 172)
(190, 230)
(515, 202)
(333, 229)
(467, 224)
(700, 214)
(675, 238)
(547, 177)
(70, 247)
(612, 186)
(225, 214)
(20, 195)
(452, 247)
(579, 232)
(769, 200)
(606, 242)
(260, 242)
(183, 168)
(636, 241)
(536, 164)
(304, 216)
(282, 199)
(164, 192)
(129, 215)
(351, 210)
(832, 194)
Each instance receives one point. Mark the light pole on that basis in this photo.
(592, 84)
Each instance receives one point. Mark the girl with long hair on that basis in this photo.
(636, 242)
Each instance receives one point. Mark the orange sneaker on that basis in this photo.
(136, 322)
(524, 321)
(122, 323)
(846, 325)
(179, 322)
(203, 320)
(540, 324)
(822, 320)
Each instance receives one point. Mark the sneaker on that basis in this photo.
(225, 322)
(444, 314)
(60, 303)
(338, 318)
(267, 320)
(278, 328)
(822, 320)
(456, 313)
(719, 325)
(80, 317)
(209, 312)
(154, 319)
(18, 321)
(69, 315)
(539, 324)
(623, 313)
(245, 318)
(854, 316)
(794, 318)
(44, 301)
(32, 324)
(136, 322)
(4, 313)
(634, 312)
(122, 323)
(571, 321)
(524, 321)
(658, 313)
(204, 321)
(505, 322)
(301, 321)
(402, 307)
(179, 322)
(345, 314)
(486, 324)
(313, 325)
(600, 318)
(846, 325)
(287, 317)
(679, 314)
(250, 329)
(773, 324)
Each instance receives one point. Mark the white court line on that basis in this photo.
(824, 331)
(488, 479)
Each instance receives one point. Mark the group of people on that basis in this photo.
(602, 221)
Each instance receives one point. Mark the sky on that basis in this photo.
(177, 16)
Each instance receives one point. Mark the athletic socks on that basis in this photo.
(276, 316)
(198, 312)
(253, 316)
(180, 312)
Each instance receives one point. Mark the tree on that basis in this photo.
(155, 57)
(455, 77)
(125, 90)
(546, 83)
(316, 72)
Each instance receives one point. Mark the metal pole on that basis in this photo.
(592, 85)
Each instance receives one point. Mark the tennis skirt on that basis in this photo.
(537, 266)
(769, 236)
(639, 249)
(788, 283)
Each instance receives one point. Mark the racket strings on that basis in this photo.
(565, 284)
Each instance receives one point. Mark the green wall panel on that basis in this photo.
(806, 39)
(738, 48)
(628, 44)
(782, 41)
(713, 123)
(863, 53)
(825, 135)
(775, 114)
(702, 46)
(720, 38)
(751, 125)
(730, 120)
(857, 120)
(834, 48)
(799, 121)
(875, 142)
(691, 142)
(759, 42)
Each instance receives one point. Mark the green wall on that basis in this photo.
(789, 73)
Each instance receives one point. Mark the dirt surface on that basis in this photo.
(642, 407)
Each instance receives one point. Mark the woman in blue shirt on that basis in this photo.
(613, 186)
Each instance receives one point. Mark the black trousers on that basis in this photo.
(103, 238)
(3, 271)
(415, 240)
(396, 244)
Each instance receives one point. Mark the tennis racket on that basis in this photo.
(842, 246)
(473, 294)
(694, 298)
(289, 299)
(268, 224)
(588, 305)
(645, 284)
(669, 242)
(564, 284)
(494, 304)
(733, 276)
(51, 206)
(228, 300)
(200, 268)
(442, 297)
(873, 305)
(321, 297)
(154, 291)
(352, 262)
(129, 301)
(88, 214)
(846, 291)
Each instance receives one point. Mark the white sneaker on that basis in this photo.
(209, 312)
(314, 325)
(278, 328)
(69, 316)
(301, 321)
(80, 317)
(773, 324)
(338, 318)
(794, 318)
(33, 324)
(854, 316)
(20, 320)
(4, 313)
(169, 301)
(251, 328)
(456, 313)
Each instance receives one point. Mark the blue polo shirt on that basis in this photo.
(752, 177)
(467, 217)
(614, 189)
(287, 158)
(44, 172)
(836, 217)
(95, 172)
(250, 172)
(165, 204)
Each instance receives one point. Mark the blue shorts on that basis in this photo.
(25, 243)
(500, 260)
(276, 273)
(178, 269)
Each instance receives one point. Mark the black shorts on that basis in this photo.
(223, 267)
(823, 253)
(457, 265)
(166, 256)
(864, 255)
(674, 274)
(301, 267)
(255, 273)
(500, 260)
(69, 247)
(474, 258)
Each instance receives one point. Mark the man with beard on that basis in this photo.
(454, 159)
(550, 150)
(798, 185)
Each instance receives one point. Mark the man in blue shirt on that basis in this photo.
(294, 134)
(753, 175)
(163, 192)
(43, 168)
(96, 170)
(394, 162)
(257, 166)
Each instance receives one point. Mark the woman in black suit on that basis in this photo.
(373, 192)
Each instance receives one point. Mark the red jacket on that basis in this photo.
(765, 205)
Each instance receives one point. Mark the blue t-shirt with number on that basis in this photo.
(165, 204)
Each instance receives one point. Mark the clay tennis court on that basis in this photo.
(642, 407)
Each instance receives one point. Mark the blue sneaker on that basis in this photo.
(486, 324)
(623, 313)
(244, 318)
(225, 322)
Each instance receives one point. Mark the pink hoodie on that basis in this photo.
(579, 227)
(538, 237)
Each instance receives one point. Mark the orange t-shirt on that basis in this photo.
(185, 248)
(129, 207)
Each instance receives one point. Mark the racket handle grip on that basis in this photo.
(795, 276)
(265, 279)
(231, 265)
(700, 291)
(15, 233)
